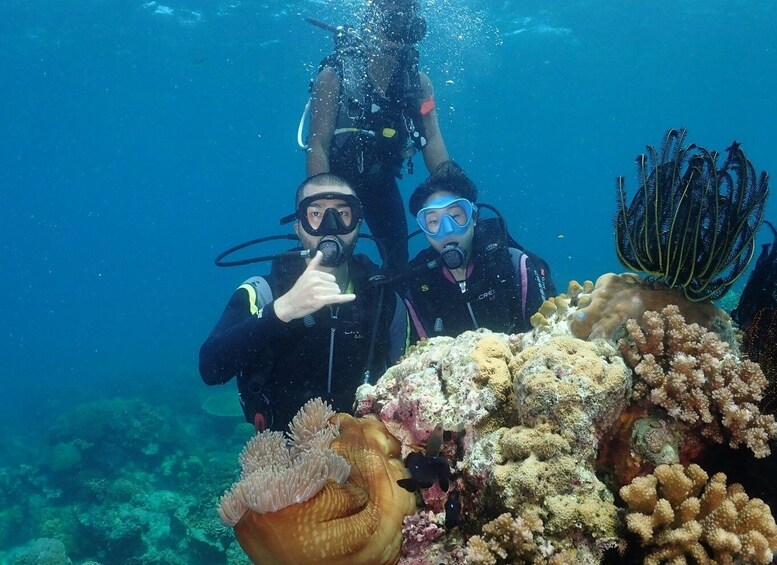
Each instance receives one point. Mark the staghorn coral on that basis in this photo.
(302, 519)
(698, 380)
(680, 513)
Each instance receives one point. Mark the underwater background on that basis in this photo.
(140, 139)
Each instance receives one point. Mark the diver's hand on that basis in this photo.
(313, 290)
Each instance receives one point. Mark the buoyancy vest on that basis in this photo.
(324, 354)
(492, 296)
(375, 131)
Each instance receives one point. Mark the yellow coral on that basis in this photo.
(677, 513)
(507, 539)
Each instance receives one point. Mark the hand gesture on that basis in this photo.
(313, 290)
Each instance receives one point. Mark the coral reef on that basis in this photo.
(698, 380)
(617, 298)
(506, 538)
(680, 513)
(524, 417)
(294, 505)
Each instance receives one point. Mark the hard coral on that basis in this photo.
(359, 520)
(580, 387)
(617, 298)
(677, 513)
(458, 383)
(505, 539)
(697, 378)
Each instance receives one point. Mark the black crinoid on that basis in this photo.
(691, 225)
(760, 292)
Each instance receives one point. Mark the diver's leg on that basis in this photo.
(384, 213)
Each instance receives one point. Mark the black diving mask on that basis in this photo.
(330, 213)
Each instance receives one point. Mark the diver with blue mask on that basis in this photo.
(485, 279)
(316, 326)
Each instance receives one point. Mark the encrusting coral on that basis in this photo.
(523, 422)
(680, 513)
(698, 380)
(617, 298)
(328, 497)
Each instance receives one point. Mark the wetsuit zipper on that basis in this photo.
(333, 315)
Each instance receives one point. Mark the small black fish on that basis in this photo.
(452, 510)
(425, 471)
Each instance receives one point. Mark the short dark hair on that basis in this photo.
(321, 179)
(448, 177)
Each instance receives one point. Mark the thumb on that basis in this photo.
(315, 261)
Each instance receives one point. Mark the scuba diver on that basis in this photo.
(315, 326)
(487, 280)
(370, 111)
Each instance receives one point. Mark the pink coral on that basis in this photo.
(698, 379)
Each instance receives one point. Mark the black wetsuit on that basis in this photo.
(373, 132)
(505, 286)
(279, 366)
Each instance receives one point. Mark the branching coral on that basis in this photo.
(677, 513)
(697, 378)
(506, 539)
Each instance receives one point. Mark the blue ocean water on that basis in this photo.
(139, 139)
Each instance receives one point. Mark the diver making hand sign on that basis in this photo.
(313, 290)
(327, 331)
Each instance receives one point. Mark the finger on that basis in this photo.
(342, 298)
(315, 261)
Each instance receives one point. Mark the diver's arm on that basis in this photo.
(238, 338)
(323, 116)
(434, 151)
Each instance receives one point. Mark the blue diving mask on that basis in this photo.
(446, 216)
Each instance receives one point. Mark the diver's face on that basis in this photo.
(396, 24)
(437, 219)
(315, 213)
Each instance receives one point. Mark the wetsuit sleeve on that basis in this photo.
(399, 332)
(533, 272)
(245, 330)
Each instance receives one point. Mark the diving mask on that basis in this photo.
(446, 216)
(330, 213)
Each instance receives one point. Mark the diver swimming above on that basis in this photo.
(371, 110)
(314, 326)
(487, 280)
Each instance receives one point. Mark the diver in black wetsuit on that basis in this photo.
(372, 109)
(487, 280)
(314, 326)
